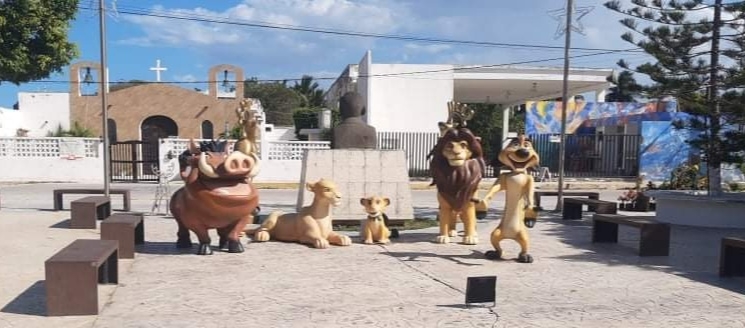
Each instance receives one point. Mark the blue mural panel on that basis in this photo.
(545, 116)
(663, 149)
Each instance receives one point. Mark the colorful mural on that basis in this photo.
(663, 148)
(543, 117)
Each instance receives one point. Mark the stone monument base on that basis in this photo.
(359, 173)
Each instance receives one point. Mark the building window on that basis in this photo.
(207, 130)
(112, 130)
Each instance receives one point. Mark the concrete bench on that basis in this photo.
(572, 209)
(58, 193)
(589, 194)
(732, 257)
(127, 229)
(654, 237)
(85, 211)
(73, 274)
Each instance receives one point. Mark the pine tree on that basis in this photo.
(700, 64)
(626, 88)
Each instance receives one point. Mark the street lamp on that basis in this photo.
(567, 31)
(103, 90)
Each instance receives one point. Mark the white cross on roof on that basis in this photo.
(157, 70)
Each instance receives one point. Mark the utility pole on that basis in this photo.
(104, 105)
(564, 103)
(713, 171)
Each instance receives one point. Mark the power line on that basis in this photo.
(397, 74)
(217, 20)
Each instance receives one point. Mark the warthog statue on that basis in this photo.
(218, 194)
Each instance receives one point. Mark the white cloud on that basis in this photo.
(185, 78)
(378, 16)
(427, 48)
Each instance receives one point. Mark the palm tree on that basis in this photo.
(312, 95)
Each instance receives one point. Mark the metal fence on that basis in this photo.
(416, 146)
(606, 156)
(599, 156)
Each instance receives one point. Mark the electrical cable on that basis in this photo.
(397, 74)
(219, 20)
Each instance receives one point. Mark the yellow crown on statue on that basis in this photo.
(458, 116)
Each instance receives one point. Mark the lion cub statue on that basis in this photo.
(375, 228)
(311, 226)
(519, 213)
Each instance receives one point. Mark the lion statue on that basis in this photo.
(519, 213)
(376, 227)
(457, 167)
(311, 226)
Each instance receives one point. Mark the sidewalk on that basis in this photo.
(410, 283)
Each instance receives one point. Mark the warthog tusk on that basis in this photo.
(205, 168)
(256, 167)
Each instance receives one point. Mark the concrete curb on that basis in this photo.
(487, 183)
(418, 184)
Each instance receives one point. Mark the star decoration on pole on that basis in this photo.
(577, 14)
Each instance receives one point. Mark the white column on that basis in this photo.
(600, 95)
(264, 154)
(505, 123)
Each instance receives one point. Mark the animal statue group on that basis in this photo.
(218, 193)
(519, 212)
(311, 225)
(457, 166)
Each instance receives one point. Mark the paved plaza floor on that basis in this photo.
(409, 283)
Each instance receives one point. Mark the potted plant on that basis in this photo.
(628, 196)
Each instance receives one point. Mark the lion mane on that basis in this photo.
(457, 184)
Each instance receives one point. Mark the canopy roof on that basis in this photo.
(511, 85)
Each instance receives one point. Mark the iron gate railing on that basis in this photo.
(133, 161)
(599, 156)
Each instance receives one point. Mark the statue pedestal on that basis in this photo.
(359, 173)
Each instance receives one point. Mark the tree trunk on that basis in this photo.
(714, 148)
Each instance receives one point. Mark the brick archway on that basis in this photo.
(157, 127)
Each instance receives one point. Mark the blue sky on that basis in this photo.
(189, 48)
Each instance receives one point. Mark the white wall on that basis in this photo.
(48, 169)
(39, 161)
(363, 82)
(409, 102)
(42, 112)
(280, 133)
(274, 170)
(10, 121)
(676, 207)
(279, 171)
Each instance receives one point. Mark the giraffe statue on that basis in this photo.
(249, 128)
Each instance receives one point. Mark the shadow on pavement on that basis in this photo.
(31, 301)
(420, 256)
(64, 224)
(168, 248)
(694, 251)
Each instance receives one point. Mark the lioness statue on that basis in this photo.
(312, 225)
(519, 211)
(457, 167)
